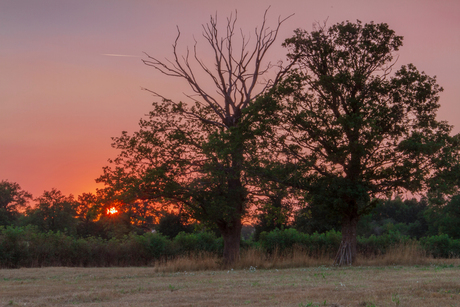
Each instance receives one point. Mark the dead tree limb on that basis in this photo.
(236, 73)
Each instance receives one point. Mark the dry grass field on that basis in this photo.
(435, 284)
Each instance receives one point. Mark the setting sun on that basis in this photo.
(112, 210)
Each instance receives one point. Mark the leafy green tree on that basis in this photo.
(54, 212)
(197, 154)
(88, 213)
(130, 216)
(12, 199)
(275, 208)
(171, 224)
(406, 216)
(315, 217)
(352, 130)
(142, 214)
(446, 219)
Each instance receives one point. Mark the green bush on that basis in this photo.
(195, 242)
(280, 240)
(441, 246)
(284, 240)
(153, 245)
(12, 246)
(375, 245)
(328, 241)
(27, 247)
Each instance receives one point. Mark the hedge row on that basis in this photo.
(25, 247)
(285, 240)
(441, 246)
(282, 240)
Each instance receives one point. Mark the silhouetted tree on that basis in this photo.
(54, 212)
(171, 224)
(197, 154)
(315, 217)
(405, 216)
(12, 199)
(88, 213)
(353, 131)
(446, 219)
(275, 208)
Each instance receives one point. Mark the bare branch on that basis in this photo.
(235, 73)
(187, 112)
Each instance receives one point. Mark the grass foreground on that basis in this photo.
(396, 285)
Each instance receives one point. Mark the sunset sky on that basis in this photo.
(71, 71)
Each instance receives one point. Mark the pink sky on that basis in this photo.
(62, 97)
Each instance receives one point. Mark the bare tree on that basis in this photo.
(237, 72)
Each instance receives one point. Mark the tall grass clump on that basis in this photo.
(407, 253)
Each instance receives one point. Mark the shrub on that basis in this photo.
(284, 240)
(441, 246)
(12, 248)
(153, 245)
(280, 239)
(194, 242)
(377, 245)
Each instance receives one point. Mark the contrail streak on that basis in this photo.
(121, 55)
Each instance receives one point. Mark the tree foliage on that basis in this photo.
(445, 220)
(12, 200)
(170, 225)
(53, 212)
(352, 130)
(407, 217)
(196, 154)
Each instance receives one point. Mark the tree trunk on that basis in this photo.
(347, 250)
(236, 197)
(232, 238)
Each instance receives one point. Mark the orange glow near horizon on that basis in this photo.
(112, 210)
(57, 133)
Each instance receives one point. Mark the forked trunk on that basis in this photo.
(231, 234)
(347, 250)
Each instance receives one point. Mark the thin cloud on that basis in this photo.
(121, 55)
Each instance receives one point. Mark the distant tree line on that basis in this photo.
(87, 216)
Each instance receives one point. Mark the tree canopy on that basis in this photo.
(12, 199)
(53, 212)
(352, 130)
(196, 154)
